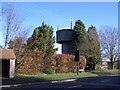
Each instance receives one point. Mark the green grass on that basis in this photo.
(107, 72)
(115, 71)
(58, 76)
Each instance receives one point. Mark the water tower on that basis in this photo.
(65, 37)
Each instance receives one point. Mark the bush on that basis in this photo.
(65, 63)
(35, 63)
(48, 70)
(29, 61)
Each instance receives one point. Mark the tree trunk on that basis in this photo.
(6, 39)
(7, 34)
(112, 64)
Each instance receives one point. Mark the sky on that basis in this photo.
(57, 14)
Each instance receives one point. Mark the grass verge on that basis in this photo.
(58, 76)
(108, 72)
(61, 76)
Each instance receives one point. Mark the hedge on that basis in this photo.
(32, 62)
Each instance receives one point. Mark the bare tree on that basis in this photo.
(109, 43)
(12, 24)
(22, 37)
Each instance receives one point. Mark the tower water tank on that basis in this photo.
(66, 37)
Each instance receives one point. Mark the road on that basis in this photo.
(90, 82)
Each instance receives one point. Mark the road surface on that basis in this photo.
(90, 82)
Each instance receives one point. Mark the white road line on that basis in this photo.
(55, 81)
(75, 86)
(5, 86)
(69, 80)
(15, 85)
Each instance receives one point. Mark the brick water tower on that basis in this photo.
(66, 37)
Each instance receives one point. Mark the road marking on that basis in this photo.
(75, 86)
(55, 81)
(15, 85)
(3, 86)
(69, 80)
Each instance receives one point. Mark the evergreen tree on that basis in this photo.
(43, 39)
(94, 47)
(80, 40)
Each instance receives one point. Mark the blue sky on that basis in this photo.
(59, 13)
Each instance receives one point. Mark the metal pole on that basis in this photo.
(71, 20)
(77, 68)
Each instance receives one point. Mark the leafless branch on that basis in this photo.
(108, 36)
(12, 24)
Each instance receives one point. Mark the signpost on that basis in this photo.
(77, 58)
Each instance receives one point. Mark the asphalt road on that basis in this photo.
(90, 82)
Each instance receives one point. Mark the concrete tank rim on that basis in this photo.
(66, 30)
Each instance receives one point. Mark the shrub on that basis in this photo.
(35, 63)
(29, 61)
(65, 63)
